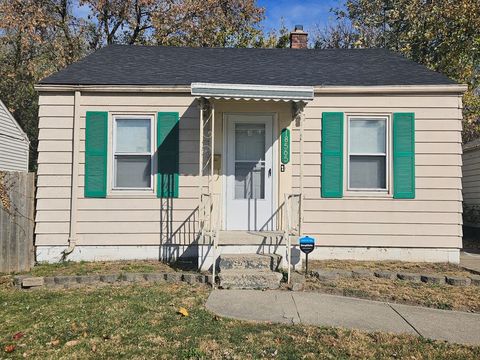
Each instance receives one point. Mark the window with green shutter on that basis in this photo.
(404, 155)
(96, 143)
(332, 155)
(168, 154)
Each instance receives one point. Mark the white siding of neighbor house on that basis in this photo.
(431, 220)
(14, 145)
(471, 176)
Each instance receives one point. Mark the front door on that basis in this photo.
(249, 172)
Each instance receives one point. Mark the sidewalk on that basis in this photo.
(329, 310)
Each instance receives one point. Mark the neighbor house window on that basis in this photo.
(367, 153)
(132, 152)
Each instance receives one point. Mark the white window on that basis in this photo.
(367, 153)
(132, 152)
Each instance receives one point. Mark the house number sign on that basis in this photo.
(285, 152)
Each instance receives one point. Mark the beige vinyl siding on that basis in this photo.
(432, 219)
(120, 219)
(14, 146)
(54, 168)
(471, 177)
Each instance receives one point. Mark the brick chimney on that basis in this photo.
(298, 38)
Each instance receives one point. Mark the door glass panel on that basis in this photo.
(249, 180)
(250, 142)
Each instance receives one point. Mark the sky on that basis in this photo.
(298, 12)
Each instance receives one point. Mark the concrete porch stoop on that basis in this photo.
(249, 271)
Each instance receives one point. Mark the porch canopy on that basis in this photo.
(252, 92)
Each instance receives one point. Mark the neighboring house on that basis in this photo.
(370, 141)
(14, 144)
(471, 182)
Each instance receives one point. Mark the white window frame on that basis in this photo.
(151, 153)
(385, 190)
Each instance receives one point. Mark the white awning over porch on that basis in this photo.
(253, 92)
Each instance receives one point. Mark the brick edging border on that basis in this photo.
(326, 274)
(28, 282)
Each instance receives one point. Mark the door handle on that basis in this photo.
(269, 172)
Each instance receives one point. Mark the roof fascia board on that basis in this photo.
(393, 89)
(470, 147)
(114, 88)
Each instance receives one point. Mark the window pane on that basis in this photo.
(250, 142)
(132, 171)
(249, 180)
(367, 136)
(133, 135)
(367, 172)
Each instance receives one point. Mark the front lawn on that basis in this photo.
(143, 321)
(98, 267)
(447, 297)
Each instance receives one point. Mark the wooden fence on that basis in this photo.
(17, 196)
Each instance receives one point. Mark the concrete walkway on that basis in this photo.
(329, 310)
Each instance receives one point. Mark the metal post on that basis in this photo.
(306, 264)
(301, 118)
(200, 163)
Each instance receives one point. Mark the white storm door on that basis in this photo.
(250, 173)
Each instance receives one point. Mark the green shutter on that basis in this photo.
(96, 142)
(168, 154)
(332, 155)
(404, 155)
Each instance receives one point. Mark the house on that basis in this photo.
(175, 152)
(14, 143)
(471, 184)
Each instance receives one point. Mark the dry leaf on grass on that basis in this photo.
(72, 343)
(9, 348)
(17, 336)
(182, 311)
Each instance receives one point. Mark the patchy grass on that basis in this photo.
(436, 296)
(414, 267)
(141, 322)
(98, 267)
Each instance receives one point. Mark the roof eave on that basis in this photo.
(319, 89)
(393, 89)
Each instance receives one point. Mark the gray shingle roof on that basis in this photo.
(156, 65)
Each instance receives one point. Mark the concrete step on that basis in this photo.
(249, 261)
(249, 279)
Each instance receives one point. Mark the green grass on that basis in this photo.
(98, 267)
(142, 321)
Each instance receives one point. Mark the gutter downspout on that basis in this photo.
(72, 238)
